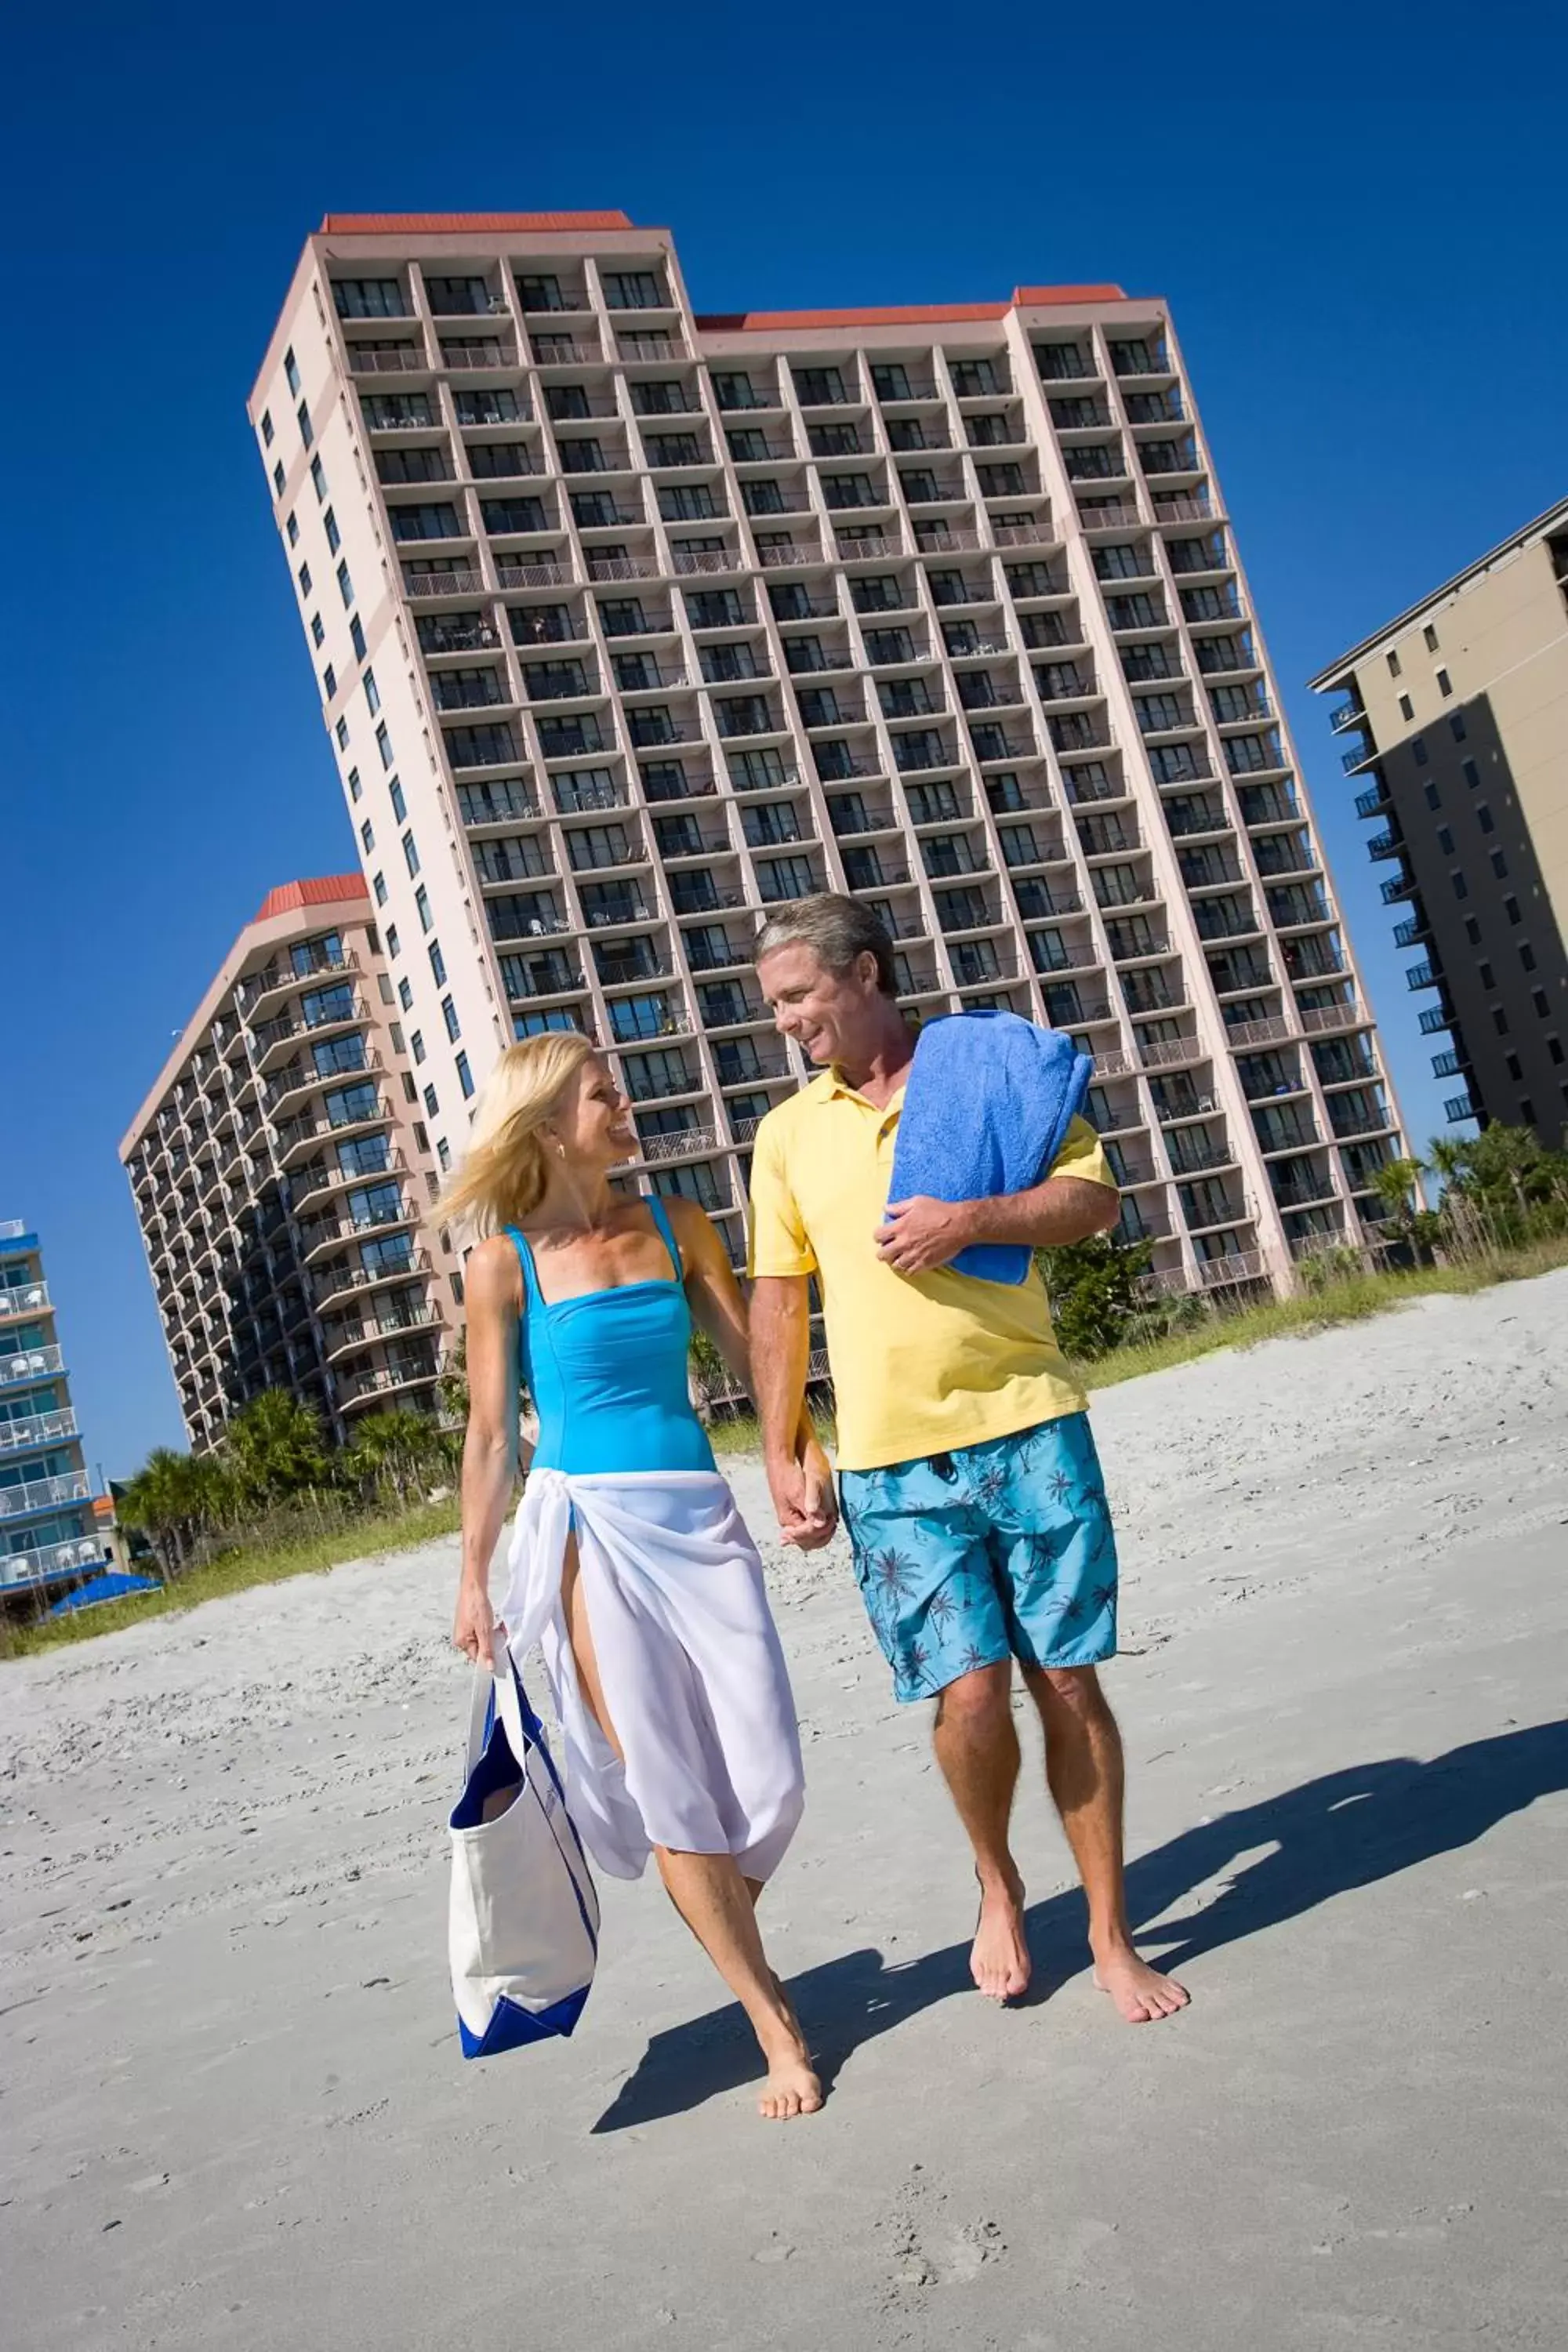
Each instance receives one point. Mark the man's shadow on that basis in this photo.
(1349, 1829)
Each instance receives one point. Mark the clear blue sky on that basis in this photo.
(1356, 212)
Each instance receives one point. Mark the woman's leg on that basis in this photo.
(711, 1897)
(717, 1904)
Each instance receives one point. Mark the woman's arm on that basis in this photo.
(493, 1293)
(721, 1310)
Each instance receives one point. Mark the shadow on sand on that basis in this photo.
(1349, 1829)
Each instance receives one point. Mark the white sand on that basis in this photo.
(232, 2109)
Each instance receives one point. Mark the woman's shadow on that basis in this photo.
(1347, 1830)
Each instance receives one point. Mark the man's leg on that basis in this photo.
(1085, 1771)
(935, 1609)
(977, 1748)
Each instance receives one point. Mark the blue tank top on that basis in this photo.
(608, 1372)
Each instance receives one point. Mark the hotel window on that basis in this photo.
(345, 585)
(292, 528)
(378, 884)
(303, 576)
(1430, 635)
(367, 837)
(432, 1107)
(278, 480)
(343, 734)
(318, 634)
(405, 994)
(1445, 684)
(384, 744)
(303, 415)
(267, 428)
(444, 1159)
(1393, 665)
(1456, 726)
(399, 808)
(372, 692)
(1499, 865)
(292, 371)
(353, 784)
(450, 1015)
(330, 683)
(393, 944)
(334, 536)
(417, 1045)
(1406, 707)
(356, 637)
(410, 854)
(319, 478)
(1471, 773)
(438, 965)
(422, 907)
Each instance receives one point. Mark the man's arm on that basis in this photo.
(798, 1476)
(922, 1233)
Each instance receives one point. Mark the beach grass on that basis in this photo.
(236, 1570)
(1345, 1301)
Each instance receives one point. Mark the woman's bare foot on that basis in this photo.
(1000, 1961)
(792, 2088)
(1142, 1994)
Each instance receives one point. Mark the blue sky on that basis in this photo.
(1356, 214)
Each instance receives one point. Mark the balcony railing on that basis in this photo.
(25, 1298)
(29, 1364)
(42, 1429)
(19, 1567)
(38, 1493)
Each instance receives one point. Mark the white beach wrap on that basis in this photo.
(690, 1660)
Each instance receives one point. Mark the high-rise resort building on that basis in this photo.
(46, 1522)
(1456, 718)
(631, 624)
(281, 1169)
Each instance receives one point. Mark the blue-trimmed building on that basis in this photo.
(46, 1533)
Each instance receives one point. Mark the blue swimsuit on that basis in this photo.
(608, 1372)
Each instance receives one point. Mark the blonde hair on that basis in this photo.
(500, 1178)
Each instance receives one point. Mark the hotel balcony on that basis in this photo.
(23, 1567)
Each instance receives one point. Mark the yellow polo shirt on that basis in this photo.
(922, 1364)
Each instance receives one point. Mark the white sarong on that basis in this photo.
(690, 1660)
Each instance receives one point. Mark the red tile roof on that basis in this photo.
(913, 314)
(317, 890)
(457, 223)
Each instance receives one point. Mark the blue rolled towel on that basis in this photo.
(987, 1105)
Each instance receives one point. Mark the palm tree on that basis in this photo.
(175, 1499)
(273, 1448)
(398, 1448)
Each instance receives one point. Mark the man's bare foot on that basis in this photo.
(792, 2088)
(1140, 1993)
(1000, 1961)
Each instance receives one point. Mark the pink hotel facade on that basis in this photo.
(629, 624)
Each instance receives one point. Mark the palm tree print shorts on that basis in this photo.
(999, 1550)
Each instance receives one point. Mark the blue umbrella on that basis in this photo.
(111, 1587)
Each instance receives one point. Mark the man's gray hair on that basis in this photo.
(837, 931)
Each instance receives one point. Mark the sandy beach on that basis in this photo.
(233, 2110)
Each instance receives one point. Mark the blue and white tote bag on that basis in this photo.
(523, 1928)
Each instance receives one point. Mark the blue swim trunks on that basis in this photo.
(1004, 1550)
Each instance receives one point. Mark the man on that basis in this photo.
(969, 1482)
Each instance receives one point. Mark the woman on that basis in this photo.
(630, 1562)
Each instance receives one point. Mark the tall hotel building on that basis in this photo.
(281, 1172)
(630, 624)
(1456, 719)
(46, 1517)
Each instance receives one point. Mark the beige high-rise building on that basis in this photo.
(1460, 713)
(282, 1171)
(630, 623)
